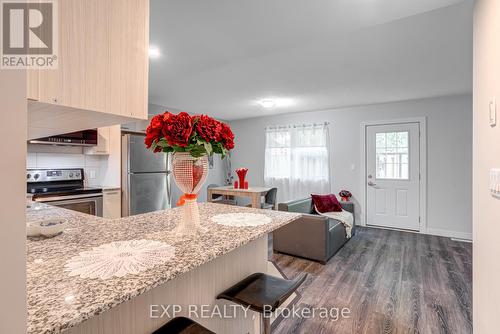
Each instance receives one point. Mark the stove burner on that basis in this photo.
(60, 182)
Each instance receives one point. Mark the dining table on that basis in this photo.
(255, 193)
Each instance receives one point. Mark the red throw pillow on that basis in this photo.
(326, 203)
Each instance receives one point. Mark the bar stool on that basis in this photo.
(260, 290)
(182, 325)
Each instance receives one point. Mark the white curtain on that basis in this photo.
(297, 160)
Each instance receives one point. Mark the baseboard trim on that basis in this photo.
(449, 234)
(432, 231)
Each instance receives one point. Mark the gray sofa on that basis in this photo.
(313, 236)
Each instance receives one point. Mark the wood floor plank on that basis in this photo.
(392, 282)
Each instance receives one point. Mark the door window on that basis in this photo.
(392, 155)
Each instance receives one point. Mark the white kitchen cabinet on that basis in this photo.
(102, 73)
(103, 58)
(103, 143)
(112, 203)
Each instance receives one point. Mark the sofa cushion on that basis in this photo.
(326, 203)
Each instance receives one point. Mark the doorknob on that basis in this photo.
(371, 184)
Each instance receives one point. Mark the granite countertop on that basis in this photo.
(57, 301)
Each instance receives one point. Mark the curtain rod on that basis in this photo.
(295, 125)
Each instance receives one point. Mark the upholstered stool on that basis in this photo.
(181, 325)
(260, 290)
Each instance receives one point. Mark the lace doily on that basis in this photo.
(119, 258)
(241, 219)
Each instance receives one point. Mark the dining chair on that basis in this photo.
(270, 199)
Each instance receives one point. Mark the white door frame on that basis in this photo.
(423, 166)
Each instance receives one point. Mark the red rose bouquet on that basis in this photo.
(197, 135)
(190, 139)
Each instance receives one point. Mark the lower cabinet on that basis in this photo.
(112, 202)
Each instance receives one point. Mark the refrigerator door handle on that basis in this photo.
(169, 190)
(125, 175)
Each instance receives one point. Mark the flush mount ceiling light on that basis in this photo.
(154, 52)
(268, 103)
(278, 102)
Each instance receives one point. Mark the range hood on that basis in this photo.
(79, 138)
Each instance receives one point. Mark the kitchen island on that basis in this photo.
(200, 266)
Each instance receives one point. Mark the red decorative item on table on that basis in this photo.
(191, 139)
(345, 195)
(242, 173)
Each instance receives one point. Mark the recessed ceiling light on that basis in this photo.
(154, 52)
(268, 104)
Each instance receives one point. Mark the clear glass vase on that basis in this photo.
(189, 174)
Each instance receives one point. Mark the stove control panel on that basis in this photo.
(49, 175)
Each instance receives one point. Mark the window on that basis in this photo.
(392, 155)
(297, 160)
(278, 153)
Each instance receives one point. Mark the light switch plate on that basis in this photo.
(493, 112)
(495, 182)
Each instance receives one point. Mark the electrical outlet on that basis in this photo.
(92, 174)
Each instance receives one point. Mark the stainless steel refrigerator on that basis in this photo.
(145, 177)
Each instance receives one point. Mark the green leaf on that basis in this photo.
(208, 148)
(223, 154)
(218, 148)
(163, 142)
(153, 145)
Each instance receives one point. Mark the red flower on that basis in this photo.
(177, 128)
(157, 122)
(227, 136)
(153, 132)
(208, 128)
(151, 136)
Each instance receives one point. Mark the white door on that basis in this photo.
(393, 175)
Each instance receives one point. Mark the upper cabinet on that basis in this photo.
(103, 61)
(129, 28)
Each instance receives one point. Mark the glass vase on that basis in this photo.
(189, 174)
(242, 174)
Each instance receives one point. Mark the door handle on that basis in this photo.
(371, 184)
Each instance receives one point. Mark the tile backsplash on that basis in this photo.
(46, 157)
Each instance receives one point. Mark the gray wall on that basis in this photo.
(449, 128)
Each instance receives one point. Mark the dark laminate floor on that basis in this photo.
(393, 282)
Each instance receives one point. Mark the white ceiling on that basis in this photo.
(220, 57)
